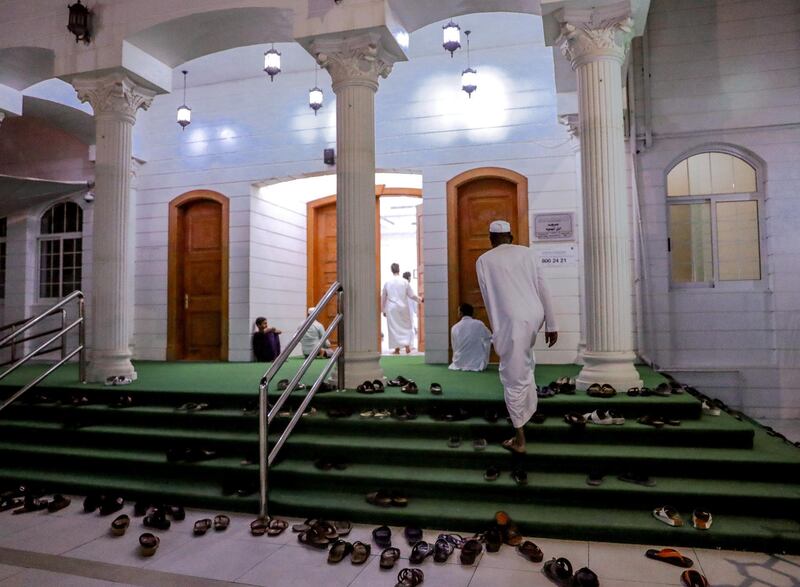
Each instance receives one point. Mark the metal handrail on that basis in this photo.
(265, 417)
(79, 323)
(13, 327)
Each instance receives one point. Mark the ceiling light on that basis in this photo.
(184, 112)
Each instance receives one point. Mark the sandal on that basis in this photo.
(671, 556)
(669, 515)
(455, 539)
(389, 557)
(380, 498)
(436, 389)
(479, 444)
(413, 535)
(638, 479)
(410, 578)
(382, 536)
(494, 539)
(558, 570)
(454, 442)
(585, 577)
(59, 502)
(366, 387)
(399, 500)
(511, 535)
(339, 551)
(420, 552)
(258, 527)
(110, 505)
(221, 522)
(378, 386)
(492, 473)
(120, 524)
(469, 552)
(575, 420)
(203, 526)
(342, 528)
(701, 519)
(693, 579)
(148, 544)
(530, 551)
(410, 387)
(520, 477)
(442, 550)
(360, 553)
(276, 526)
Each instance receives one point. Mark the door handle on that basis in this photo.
(185, 301)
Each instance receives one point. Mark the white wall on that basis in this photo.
(728, 73)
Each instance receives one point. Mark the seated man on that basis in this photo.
(471, 341)
(266, 341)
(312, 337)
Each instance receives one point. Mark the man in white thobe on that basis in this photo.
(312, 337)
(518, 303)
(395, 298)
(470, 341)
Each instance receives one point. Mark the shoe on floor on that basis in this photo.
(693, 579)
(670, 556)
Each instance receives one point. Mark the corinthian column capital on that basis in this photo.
(354, 61)
(590, 35)
(113, 94)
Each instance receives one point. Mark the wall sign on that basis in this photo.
(558, 256)
(554, 227)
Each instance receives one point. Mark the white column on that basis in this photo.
(596, 42)
(355, 65)
(115, 99)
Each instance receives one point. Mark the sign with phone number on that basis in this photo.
(558, 257)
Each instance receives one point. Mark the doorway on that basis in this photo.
(197, 312)
(474, 199)
(396, 213)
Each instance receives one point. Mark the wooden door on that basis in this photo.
(322, 256)
(420, 282)
(198, 279)
(475, 199)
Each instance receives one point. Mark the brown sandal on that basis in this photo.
(258, 527)
(530, 551)
(410, 578)
(360, 553)
(276, 526)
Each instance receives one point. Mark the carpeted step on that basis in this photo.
(748, 531)
(774, 499)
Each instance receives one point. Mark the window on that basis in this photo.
(3, 233)
(714, 203)
(60, 250)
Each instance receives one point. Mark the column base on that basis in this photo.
(616, 369)
(102, 366)
(360, 367)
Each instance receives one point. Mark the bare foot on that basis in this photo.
(396, 351)
(512, 446)
(408, 350)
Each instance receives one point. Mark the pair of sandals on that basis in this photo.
(440, 550)
(370, 387)
(479, 444)
(284, 383)
(221, 523)
(118, 380)
(658, 421)
(385, 499)
(358, 552)
(492, 473)
(269, 526)
(598, 390)
(410, 578)
(604, 418)
(701, 519)
(320, 533)
(107, 504)
(191, 407)
(559, 571)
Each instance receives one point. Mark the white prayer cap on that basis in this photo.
(499, 226)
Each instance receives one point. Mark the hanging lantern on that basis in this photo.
(272, 62)
(80, 22)
(451, 35)
(469, 77)
(315, 99)
(184, 112)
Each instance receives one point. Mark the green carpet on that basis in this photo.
(731, 467)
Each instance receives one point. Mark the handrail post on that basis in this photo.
(263, 435)
(82, 339)
(340, 339)
(63, 313)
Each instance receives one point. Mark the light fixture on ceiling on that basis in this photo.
(469, 77)
(184, 112)
(80, 22)
(315, 96)
(451, 36)
(272, 62)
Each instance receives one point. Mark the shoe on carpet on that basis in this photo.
(595, 478)
(492, 473)
(669, 515)
(520, 477)
(701, 519)
(604, 418)
(575, 420)
(637, 478)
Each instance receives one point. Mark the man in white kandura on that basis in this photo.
(312, 337)
(470, 341)
(395, 299)
(518, 303)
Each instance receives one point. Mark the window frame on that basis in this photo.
(58, 236)
(712, 199)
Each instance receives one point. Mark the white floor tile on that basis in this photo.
(11, 524)
(724, 567)
(626, 562)
(218, 559)
(8, 570)
(37, 578)
(55, 535)
(436, 575)
(299, 565)
(495, 577)
(508, 557)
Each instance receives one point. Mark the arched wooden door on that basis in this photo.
(474, 199)
(198, 277)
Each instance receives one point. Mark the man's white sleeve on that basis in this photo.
(544, 296)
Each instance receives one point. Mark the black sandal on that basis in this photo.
(492, 473)
(420, 552)
(389, 557)
(436, 389)
(469, 552)
(413, 534)
(442, 550)
(558, 570)
(382, 536)
(410, 578)
(221, 522)
(203, 526)
(339, 551)
(360, 553)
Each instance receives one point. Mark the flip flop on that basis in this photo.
(420, 552)
(671, 556)
(530, 551)
(442, 550)
(276, 526)
(693, 579)
(221, 522)
(203, 526)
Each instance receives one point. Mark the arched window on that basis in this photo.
(714, 201)
(60, 250)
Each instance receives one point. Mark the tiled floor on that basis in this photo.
(71, 548)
